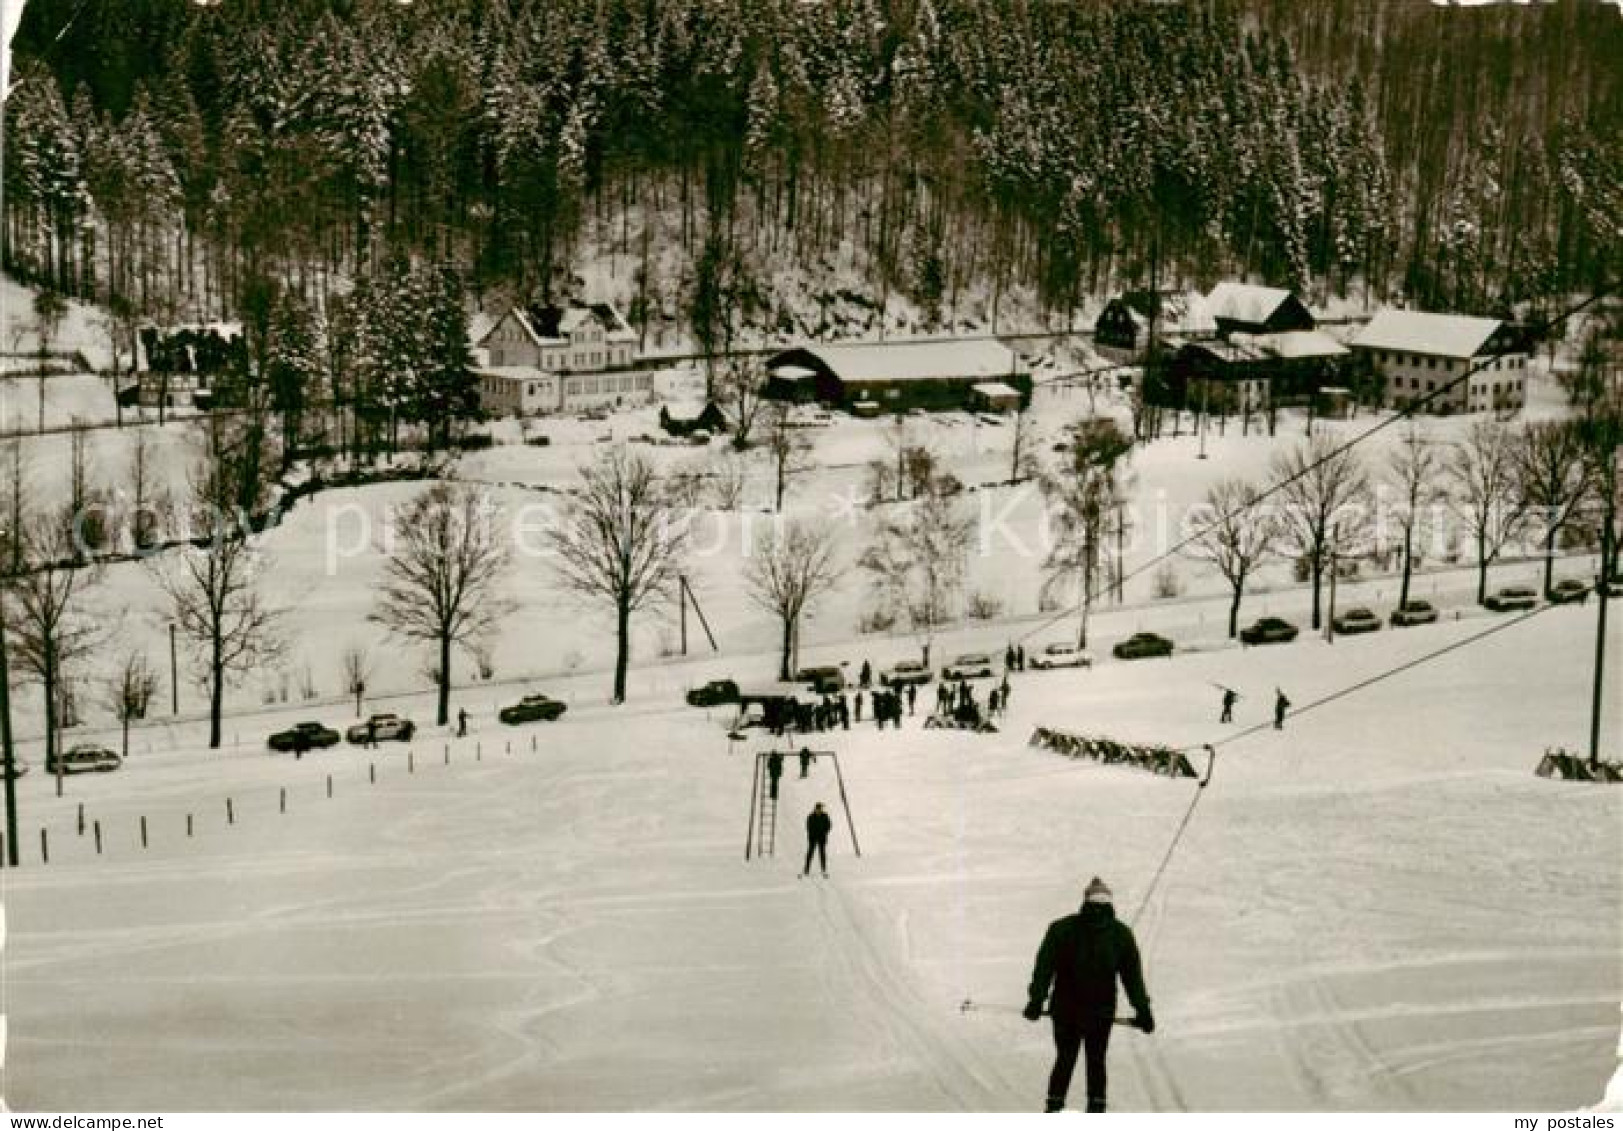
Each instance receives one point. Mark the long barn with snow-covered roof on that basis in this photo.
(940, 375)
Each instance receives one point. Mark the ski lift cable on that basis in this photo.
(1322, 701)
(1404, 413)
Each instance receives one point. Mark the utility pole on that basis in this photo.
(1603, 582)
(1204, 383)
(6, 746)
(174, 683)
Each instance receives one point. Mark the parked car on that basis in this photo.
(1142, 644)
(1414, 612)
(531, 708)
(382, 728)
(1512, 598)
(1269, 630)
(304, 736)
(904, 672)
(827, 680)
(1061, 656)
(713, 694)
(1355, 620)
(1569, 590)
(968, 666)
(83, 758)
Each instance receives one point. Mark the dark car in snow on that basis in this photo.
(381, 728)
(304, 736)
(1512, 598)
(904, 672)
(1354, 621)
(1414, 612)
(713, 694)
(83, 758)
(532, 708)
(1269, 630)
(1568, 591)
(1141, 645)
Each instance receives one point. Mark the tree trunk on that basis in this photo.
(1408, 565)
(50, 714)
(788, 640)
(1549, 559)
(1481, 571)
(1234, 609)
(216, 698)
(124, 747)
(622, 649)
(443, 713)
(1318, 583)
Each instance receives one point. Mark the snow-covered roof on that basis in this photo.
(996, 389)
(918, 361)
(1245, 302)
(552, 325)
(793, 373)
(1179, 313)
(1297, 344)
(1439, 335)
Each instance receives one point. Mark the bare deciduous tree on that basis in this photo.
(1415, 469)
(1486, 493)
(1323, 503)
(1086, 492)
(788, 570)
(1236, 535)
(1554, 478)
(788, 449)
(213, 588)
(441, 581)
(356, 665)
(1022, 456)
(129, 693)
(739, 389)
(728, 475)
(917, 559)
(51, 632)
(620, 545)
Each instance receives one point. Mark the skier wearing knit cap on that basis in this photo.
(1081, 957)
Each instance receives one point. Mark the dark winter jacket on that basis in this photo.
(817, 826)
(1081, 956)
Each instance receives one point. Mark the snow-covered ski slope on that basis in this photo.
(1378, 908)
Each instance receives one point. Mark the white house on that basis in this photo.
(555, 359)
(1418, 354)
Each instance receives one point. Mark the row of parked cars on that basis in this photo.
(389, 727)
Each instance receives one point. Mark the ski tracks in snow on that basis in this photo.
(854, 939)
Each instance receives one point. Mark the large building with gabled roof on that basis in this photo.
(1419, 355)
(1246, 308)
(540, 359)
(893, 377)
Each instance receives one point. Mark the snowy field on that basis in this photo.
(1379, 908)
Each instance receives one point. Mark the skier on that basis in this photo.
(461, 722)
(912, 696)
(865, 677)
(805, 760)
(774, 770)
(1082, 956)
(1281, 705)
(817, 828)
(1230, 697)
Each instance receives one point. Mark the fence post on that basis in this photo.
(372, 773)
(532, 744)
(329, 787)
(448, 754)
(44, 847)
(282, 800)
(143, 830)
(188, 824)
(97, 829)
(411, 762)
(478, 753)
(81, 818)
(230, 813)
(509, 746)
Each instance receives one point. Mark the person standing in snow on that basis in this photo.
(844, 706)
(1230, 697)
(1281, 705)
(865, 678)
(1082, 956)
(1020, 658)
(912, 696)
(805, 760)
(859, 706)
(817, 830)
(462, 722)
(774, 771)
